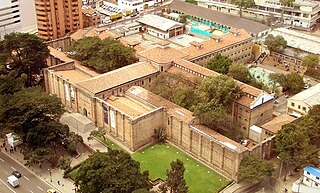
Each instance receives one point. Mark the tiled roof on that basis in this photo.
(211, 45)
(118, 77)
(80, 33)
(64, 58)
(172, 109)
(131, 107)
(162, 55)
(88, 10)
(109, 34)
(276, 123)
(218, 17)
(73, 76)
(125, 41)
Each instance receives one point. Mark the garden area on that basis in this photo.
(157, 158)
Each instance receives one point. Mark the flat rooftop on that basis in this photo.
(218, 17)
(74, 76)
(131, 107)
(311, 96)
(158, 22)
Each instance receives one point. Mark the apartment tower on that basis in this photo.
(55, 18)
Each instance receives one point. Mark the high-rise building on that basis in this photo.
(17, 16)
(55, 18)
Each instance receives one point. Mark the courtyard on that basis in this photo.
(157, 158)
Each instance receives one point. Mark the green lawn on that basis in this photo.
(199, 178)
(109, 143)
(72, 174)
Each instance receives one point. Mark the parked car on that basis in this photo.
(16, 174)
(51, 191)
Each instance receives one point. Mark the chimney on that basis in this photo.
(216, 38)
(163, 44)
(235, 32)
(196, 44)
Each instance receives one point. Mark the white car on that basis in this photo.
(245, 142)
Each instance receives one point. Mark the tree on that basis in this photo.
(100, 132)
(275, 44)
(243, 4)
(102, 55)
(10, 85)
(175, 181)
(183, 18)
(185, 97)
(219, 64)
(34, 116)
(192, 2)
(253, 169)
(113, 172)
(64, 163)
(23, 54)
(291, 82)
(240, 72)
(311, 61)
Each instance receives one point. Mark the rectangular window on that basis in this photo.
(292, 104)
(105, 113)
(299, 106)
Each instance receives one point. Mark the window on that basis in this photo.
(168, 121)
(292, 104)
(299, 106)
(304, 109)
(308, 173)
(317, 178)
(142, 82)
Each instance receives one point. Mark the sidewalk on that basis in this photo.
(54, 177)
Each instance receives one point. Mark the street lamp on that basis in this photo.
(50, 175)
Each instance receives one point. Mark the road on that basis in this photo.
(29, 183)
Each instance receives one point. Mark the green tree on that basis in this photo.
(219, 64)
(243, 4)
(23, 54)
(254, 170)
(240, 72)
(275, 44)
(64, 163)
(100, 132)
(185, 97)
(192, 2)
(10, 85)
(102, 55)
(111, 172)
(175, 181)
(183, 18)
(311, 61)
(291, 82)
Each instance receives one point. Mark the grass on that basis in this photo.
(109, 143)
(199, 178)
(72, 174)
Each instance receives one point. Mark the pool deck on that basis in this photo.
(184, 40)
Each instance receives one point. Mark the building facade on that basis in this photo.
(55, 18)
(17, 16)
(90, 17)
(302, 14)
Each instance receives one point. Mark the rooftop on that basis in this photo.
(305, 42)
(218, 17)
(74, 75)
(276, 123)
(162, 55)
(312, 170)
(158, 101)
(311, 96)
(118, 77)
(212, 45)
(129, 106)
(158, 22)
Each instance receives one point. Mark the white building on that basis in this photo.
(160, 27)
(303, 13)
(311, 177)
(137, 5)
(17, 16)
(301, 103)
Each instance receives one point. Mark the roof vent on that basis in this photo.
(163, 44)
(196, 44)
(234, 32)
(216, 38)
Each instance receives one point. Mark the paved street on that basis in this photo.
(28, 182)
